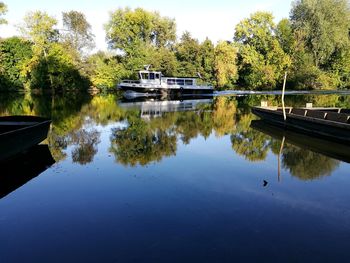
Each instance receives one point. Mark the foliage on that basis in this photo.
(77, 31)
(106, 72)
(188, 55)
(56, 71)
(225, 64)
(129, 29)
(3, 10)
(262, 59)
(325, 24)
(39, 28)
(15, 51)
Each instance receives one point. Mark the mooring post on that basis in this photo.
(283, 89)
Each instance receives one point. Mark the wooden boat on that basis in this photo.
(24, 167)
(335, 150)
(330, 123)
(19, 133)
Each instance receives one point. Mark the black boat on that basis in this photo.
(17, 171)
(330, 123)
(20, 133)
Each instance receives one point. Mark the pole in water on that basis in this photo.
(283, 90)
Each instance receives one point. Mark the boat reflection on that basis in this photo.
(331, 149)
(17, 172)
(155, 106)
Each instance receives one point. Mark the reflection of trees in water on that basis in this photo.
(224, 116)
(86, 145)
(138, 144)
(253, 145)
(142, 142)
(307, 165)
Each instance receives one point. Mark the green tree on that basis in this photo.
(105, 71)
(14, 53)
(262, 59)
(225, 64)
(77, 31)
(188, 54)
(128, 30)
(207, 56)
(39, 28)
(3, 10)
(325, 24)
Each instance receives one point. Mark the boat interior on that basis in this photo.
(330, 114)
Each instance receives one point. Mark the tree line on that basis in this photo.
(312, 46)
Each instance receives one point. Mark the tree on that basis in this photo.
(325, 25)
(39, 28)
(77, 31)
(206, 56)
(128, 29)
(285, 36)
(106, 72)
(225, 64)
(188, 54)
(262, 59)
(3, 10)
(14, 53)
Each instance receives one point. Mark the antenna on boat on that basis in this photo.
(199, 75)
(283, 90)
(146, 67)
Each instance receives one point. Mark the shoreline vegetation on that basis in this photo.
(312, 45)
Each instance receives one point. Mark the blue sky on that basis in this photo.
(213, 19)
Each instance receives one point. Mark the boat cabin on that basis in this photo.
(156, 77)
(150, 77)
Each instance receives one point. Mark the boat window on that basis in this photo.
(189, 82)
(144, 75)
(180, 82)
(157, 76)
(171, 81)
(151, 75)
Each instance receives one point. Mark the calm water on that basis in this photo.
(190, 181)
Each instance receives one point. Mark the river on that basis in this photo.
(196, 180)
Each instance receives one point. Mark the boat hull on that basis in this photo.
(332, 130)
(20, 133)
(162, 91)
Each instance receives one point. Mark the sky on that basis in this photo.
(202, 18)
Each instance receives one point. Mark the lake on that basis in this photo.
(197, 180)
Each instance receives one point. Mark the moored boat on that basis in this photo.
(19, 133)
(330, 123)
(154, 82)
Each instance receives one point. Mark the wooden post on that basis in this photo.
(283, 90)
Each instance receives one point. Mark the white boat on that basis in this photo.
(155, 82)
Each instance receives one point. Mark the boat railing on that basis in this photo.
(131, 81)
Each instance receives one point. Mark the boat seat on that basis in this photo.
(338, 117)
(345, 111)
(316, 114)
(301, 112)
(288, 109)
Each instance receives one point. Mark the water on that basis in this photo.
(181, 181)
